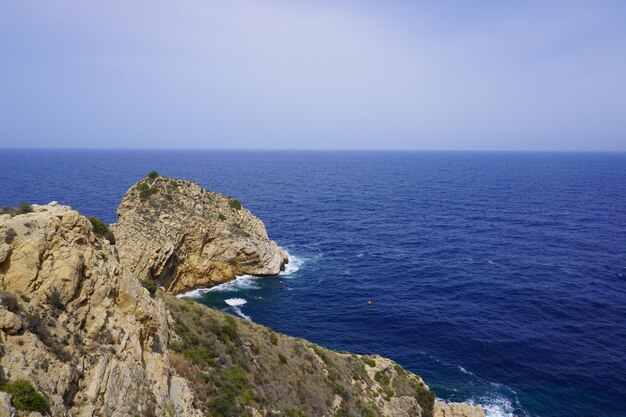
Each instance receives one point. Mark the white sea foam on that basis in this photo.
(242, 282)
(494, 403)
(197, 293)
(235, 304)
(360, 255)
(497, 407)
(293, 266)
(465, 371)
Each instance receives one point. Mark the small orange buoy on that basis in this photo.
(369, 302)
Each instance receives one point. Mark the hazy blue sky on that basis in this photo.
(544, 75)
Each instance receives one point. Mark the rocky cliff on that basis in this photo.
(185, 237)
(80, 336)
(79, 328)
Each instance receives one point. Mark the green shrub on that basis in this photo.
(229, 331)
(234, 203)
(221, 217)
(273, 339)
(222, 406)
(14, 211)
(8, 210)
(102, 230)
(24, 396)
(195, 354)
(369, 362)
(25, 207)
(145, 191)
(169, 197)
(382, 377)
(153, 175)
(369, 412)
(425, 398)
(293, 412)
(399, 369)
(9, 235)
(149, 285)
(389, 395)
(282, 358)
(323, 356)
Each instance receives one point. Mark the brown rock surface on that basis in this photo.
(83, 331)
(443, 409)
(185, 237)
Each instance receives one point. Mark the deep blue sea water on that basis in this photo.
(499, 277)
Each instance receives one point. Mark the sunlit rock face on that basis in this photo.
(79, 327)
(185, 237)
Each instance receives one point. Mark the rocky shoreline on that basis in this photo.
(85, 331)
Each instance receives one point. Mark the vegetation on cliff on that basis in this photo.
(237, 367)
(14, 211)
(24, 396)
(102, 230)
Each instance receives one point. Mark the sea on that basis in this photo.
(498, 277)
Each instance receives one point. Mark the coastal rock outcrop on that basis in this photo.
(185, 237)
(443, 409)
(76, 329)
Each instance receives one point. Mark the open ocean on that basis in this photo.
(498, 277)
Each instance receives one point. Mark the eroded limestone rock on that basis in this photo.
(82, 330)
(185, 237)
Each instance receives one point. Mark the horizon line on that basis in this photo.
(316, 150)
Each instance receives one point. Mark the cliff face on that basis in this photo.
(77, 326)
(185, 237)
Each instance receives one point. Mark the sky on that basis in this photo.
(304, 74)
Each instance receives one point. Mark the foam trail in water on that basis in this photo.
(465, 371)
(235, 303)
(242, 282)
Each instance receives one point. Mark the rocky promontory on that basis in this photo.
(81, 335)
(185, 237)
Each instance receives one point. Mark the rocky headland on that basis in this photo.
(83, 332)
(185, 237)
